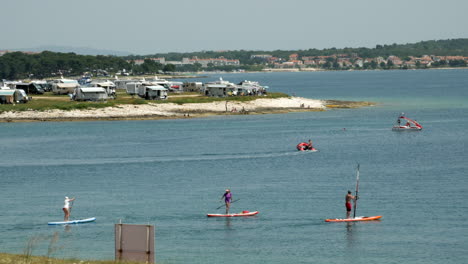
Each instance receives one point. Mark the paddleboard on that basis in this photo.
(356, 219)
(245, 213)
(80, 221)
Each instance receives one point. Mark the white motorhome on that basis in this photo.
(64, 86)
(147, 90)
(220, 88)
(108, 86)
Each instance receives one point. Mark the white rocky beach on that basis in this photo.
(169, 110)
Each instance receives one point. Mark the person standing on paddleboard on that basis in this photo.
(66, 207)
(349, 198)
(227, 199)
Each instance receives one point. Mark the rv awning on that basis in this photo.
(156, 88)
(105, 84)
(93, 90)
(217, 86)
(67, 85)
(7, 92)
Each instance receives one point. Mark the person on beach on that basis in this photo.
(349, 198)
(66, 208)
(227, 199)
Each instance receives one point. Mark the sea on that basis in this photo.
(171, 173)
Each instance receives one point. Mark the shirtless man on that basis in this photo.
(309, 145)
(349, 198)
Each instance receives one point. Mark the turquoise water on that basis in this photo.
(170, 173)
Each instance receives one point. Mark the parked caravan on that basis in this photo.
(154, 92)
(147, 90)
(13, 96)
(43, 84)
(192, 86)
(132, 87)
(122, 84)
(64, 86)
(108, 86)
(90, 94)
(29, 88)
(220, 88)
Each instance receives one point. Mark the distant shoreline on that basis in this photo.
(160, 111)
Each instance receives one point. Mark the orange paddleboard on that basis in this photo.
(356, 219)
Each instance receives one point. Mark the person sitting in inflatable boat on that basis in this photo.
(305, 146)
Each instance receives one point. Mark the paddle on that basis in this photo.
(71, 207)
(357, 190)
(224, 204)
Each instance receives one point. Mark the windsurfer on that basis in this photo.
(349, 198)
(227, 199)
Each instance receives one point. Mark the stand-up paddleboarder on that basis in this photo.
(227, 199)
(67, 208)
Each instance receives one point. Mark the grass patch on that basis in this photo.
(49, 101)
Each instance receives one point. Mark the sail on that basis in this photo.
(411, 122)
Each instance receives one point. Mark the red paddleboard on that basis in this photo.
(244, 213)
(356, 219)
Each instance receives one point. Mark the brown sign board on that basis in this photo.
(134, 243)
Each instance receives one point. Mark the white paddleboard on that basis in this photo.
(80, 221)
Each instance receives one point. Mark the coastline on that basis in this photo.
(156, 111)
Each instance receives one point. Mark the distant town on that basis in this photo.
(422, 55)
(334, 61)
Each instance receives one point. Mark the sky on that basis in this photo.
(155, 26)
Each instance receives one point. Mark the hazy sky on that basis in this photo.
(153, 26)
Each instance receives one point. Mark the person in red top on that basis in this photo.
(349, 206)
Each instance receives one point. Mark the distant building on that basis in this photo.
(261, 56)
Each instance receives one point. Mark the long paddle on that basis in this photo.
(357, 191)
(71, 207)
(224, 204)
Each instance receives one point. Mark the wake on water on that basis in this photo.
(146, 159)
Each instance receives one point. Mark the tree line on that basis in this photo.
(17, 65)
(450, 47)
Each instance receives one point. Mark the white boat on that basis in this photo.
(251, 88)
(410, 125)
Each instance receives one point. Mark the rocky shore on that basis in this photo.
(173, 111)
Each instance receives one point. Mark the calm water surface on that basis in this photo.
(170, 173)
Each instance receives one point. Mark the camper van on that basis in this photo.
(147, 91)
(13, 96)
(64, 86)
(90, 94)
(108, 86)
(29, 88)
